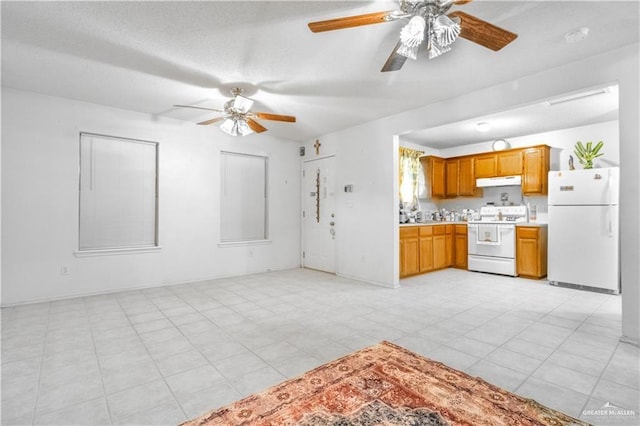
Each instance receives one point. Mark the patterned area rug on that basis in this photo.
(384, 384)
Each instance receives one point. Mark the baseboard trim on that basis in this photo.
(143, 287)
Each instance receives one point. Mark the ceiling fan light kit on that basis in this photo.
(238, 119)
(428, 23)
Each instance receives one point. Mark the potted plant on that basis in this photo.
(586, 154)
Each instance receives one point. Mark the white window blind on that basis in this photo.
(118, 193)
(243, 205)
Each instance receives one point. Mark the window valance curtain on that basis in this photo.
(408, 171)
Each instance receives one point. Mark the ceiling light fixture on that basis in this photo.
(576, 36)
(576, 96)
(235, 126)
(500, 145)
(438, 29)
(483, 126)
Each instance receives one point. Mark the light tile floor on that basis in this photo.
(163, 355)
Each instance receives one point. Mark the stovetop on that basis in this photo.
(502, 215)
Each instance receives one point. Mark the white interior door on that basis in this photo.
(319, 218)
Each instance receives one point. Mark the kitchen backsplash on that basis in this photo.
(491, 195)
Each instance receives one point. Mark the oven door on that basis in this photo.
(492, 248)
(495, 240)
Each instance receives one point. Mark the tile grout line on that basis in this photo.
(95, 349)
(44, 346)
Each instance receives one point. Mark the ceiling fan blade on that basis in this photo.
(482, 32)
(213, 120)
(255, 126)
(351, 21)
(395, 60)
(460, 2)
(275, 117)
(197, 107)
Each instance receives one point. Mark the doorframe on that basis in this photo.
(303, 163)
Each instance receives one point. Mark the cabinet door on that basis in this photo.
(486, 166)
(531, 251)
(409, 261)
(535, 170)
(460, 251)
(510, 163)
(448, 250)
(460, 246)
(439, 251)
(434, 176)
(426, 254)
(466, 177)
(438, 173)
(452, 178)
(527, 257)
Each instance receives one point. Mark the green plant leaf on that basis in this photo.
(598, 147)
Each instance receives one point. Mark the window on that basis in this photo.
(243, 195)
(118, 193)
(409, 175)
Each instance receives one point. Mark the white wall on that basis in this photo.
(367, 156)
(40, 143)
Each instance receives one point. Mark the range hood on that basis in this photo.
(499, 181)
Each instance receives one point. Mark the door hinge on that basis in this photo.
(303, 173)
(303, 254)
(303, 213)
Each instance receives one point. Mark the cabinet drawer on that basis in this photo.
(439, 229)
(461, 229)
(426, 231)
(411, 232)
(527, 232)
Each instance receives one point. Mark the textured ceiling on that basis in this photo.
(147, 56)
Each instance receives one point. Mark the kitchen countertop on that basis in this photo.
(402, 225)
(539, 224)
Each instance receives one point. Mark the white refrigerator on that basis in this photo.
(583, 233)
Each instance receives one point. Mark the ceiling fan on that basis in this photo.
(238, 120)
(429, 25)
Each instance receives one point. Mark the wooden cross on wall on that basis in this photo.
(317, 146)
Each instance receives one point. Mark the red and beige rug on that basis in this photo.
(384, 384)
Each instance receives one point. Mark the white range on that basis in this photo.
(492, 239)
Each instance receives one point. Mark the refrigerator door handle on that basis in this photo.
(610, 195)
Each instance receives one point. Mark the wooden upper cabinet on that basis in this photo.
(452, 178)
(466, 176)
(434, 176)
(509, 163)
(535, 170)
(486, 165)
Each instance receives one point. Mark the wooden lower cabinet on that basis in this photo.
(425, 248)
(439, 248)
(448, 246)
(409, 251)
(460, 247)
(531, 251)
